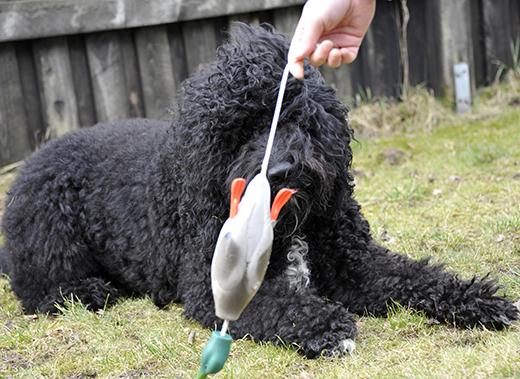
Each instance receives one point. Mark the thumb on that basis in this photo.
(303, 44)
(305, 39)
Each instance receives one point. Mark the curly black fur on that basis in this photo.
(136, 207)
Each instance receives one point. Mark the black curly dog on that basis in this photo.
(135, 208)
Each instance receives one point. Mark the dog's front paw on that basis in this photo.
(344, 347)
(348, 346)
(330, 349)
(334, 341)
(334, 338)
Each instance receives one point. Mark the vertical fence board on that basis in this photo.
(82, 82)
(132, 78)
(380, 52)
(417, 48)
(178, 53)
(14, 139)
(449, 27)
(155, 64)
(479, 47)
(31, 95)
(347, 79)
(497, 34)
(433, 56)
(106, 70)
(286, 19)
(340, 78)
(514, 13)
(59, 106)
(201, 39)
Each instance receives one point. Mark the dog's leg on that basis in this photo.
(40, 285)
(373, 280)
(93, 293)
(46, 246)
(281, 315)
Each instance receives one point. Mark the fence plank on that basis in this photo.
(14, 139)
(155, 64)
(286, 19)
(432, 55)
(381, 64)
(107, 73)
(201, 40)
(497, 34)
(31, 94)
(514, 12)
(346, 78)
(82, 82)
(133, 88)
(36, 18)
(417, 48)
(479, 47)
(450, 41)
(178, 54)
(59, 106)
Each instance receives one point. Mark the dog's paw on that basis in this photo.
(329, 349)
(346, 346)
(333, 340)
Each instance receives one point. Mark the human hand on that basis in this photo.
(329, 31)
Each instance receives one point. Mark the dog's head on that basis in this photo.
(225, 114)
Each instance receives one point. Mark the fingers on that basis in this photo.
(327, 53)
(349, 55)
(334, 59)
(320, 55)
(324, 53)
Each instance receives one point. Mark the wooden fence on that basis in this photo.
(66, 64)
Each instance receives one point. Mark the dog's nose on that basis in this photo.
(279, 172)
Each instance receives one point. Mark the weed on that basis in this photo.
(364, 96)
(404, 192)
(514, 48)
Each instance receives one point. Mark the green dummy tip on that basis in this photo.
(214, 355)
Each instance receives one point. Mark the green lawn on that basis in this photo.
(431, 184)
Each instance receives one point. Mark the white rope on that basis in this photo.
(274, 123)
(224, 328)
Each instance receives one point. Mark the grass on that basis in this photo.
(431, 184)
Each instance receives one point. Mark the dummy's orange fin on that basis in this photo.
(237, 188)
(280, 199)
